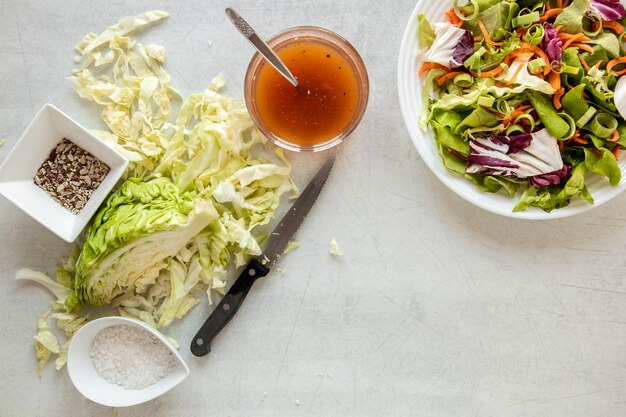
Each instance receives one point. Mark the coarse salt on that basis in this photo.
(130, 356)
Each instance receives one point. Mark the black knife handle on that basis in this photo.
(228, 306)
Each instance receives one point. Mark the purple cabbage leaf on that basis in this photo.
(606, 9)
(551, 44)
(551, 178)
(464, 49)
(518, 156)
(451, 46)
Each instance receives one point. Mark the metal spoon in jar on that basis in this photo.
(262, 47)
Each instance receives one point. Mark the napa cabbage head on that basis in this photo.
(141, 225)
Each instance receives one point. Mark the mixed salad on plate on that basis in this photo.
(527, 95)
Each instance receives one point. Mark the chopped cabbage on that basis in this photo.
(60, 291)
(444, 47)
(194, 192)
(46, 342)
(291, 246)
(517, 73)
(606, 9)
(518, 156)
(620, 96)
(334, 248)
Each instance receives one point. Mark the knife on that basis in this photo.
(261, 265)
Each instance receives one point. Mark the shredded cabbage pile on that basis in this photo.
(193, 195)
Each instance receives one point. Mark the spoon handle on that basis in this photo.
(263, 48)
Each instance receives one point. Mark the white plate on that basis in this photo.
(410, 94)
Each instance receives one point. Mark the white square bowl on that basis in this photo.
(46, 130)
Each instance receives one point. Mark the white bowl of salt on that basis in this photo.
(119, 362)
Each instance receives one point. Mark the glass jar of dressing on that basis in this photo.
(329, 101)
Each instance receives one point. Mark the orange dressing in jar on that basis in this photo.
(321, 106)
(329, 101)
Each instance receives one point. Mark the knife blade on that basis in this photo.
(261, 265)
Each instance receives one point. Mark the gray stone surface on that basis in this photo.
(438, 308)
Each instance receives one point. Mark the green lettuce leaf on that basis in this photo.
(571, 18)
(480, 117)
(493, 184)
(557, 127)
(451, 141)
(555, 197)
(574, 103)
(451, 161)
(605, 165)
(608, 42)
(497, 17)
(425, 33)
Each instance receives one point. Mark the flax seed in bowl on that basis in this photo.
(59, 173)
(70, 175)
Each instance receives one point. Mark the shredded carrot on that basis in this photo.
(558, 28)
(550, 14)
(520, 53)
(478, 38)
(452, 17)
(457, 154)
(614, 137)
(523, 108)
(614, 26)
(561, 145)
(615, 151)
(431, 65)
(492, 73)
(582, 61)
(516, 113)
(582, 46)
(507, 59)
(448, 76)
(556, 100)
(612, 63)
(578, 37)
(555, 80)
(483, 29)
(580, 140)
(559, 4)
